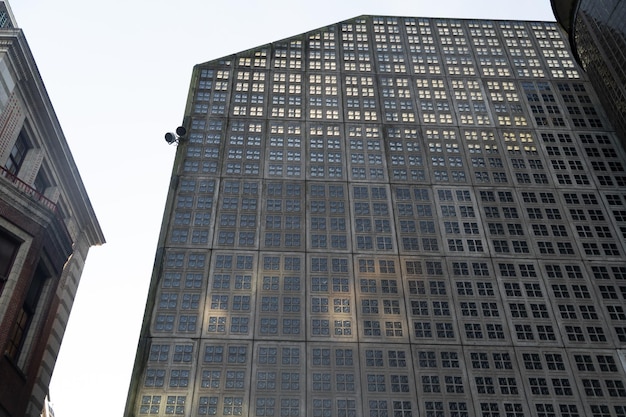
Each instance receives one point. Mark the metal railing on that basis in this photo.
(27, 189)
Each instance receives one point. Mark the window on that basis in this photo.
(8, 249)
(20, 328)
(17, 155)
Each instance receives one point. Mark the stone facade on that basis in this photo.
(47, 225)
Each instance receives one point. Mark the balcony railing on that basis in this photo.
(27, 189)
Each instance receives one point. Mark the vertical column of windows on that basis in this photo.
(323, 50)
(553, 50)
(331, 311)
(278, 383)
(325, 152)
(470, 103)
(616, 205)
(283, 216)
(373, 224)
(543, 105)
(505, 103)
(213, 91)
(180, 296)
(284, 153)
(367, 154)
(169, 370)
(360, 101)
(518, 40)
(604, 158)
(567, 166)
(528, 304)
(205, 137)
(458, 65)
(453, 43)
(521, 50)
(441, 381)
(230, 298)
(286, 95)
(387, 377)
(446, 161)
(286, 87)
(398, 104)
(591, 223)
(193, 213)
(579, 105)
(288, 55)
(244, 148)
(460, 222)
(250, 92)
(498, 387)
(422, 51)
(600, 379)
(549, 381)
(380, 299)
(388, 42)
(507, 233)
(434, 105)
(548, 226)
(479, 310)
(415, 222)
(483, 151)
(428, 301)
(487, 165)
(405, 159)
(580, 317)
(356, 54)
(323, 99)
(492, 61)
(238, 214)
(223, 379)
(333, 382)
(525, 161)
(280, 290)
(204, 149)
(609, 283)
(169, 366)
(328, 219)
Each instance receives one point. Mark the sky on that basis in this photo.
(118, 75)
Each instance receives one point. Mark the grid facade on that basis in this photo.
(599, 36)
(392, 217)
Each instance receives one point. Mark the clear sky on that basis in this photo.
(118, 74)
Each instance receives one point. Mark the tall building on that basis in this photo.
(597, 33)
(391, 216)
(47, 226)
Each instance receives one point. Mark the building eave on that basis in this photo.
(44, 119)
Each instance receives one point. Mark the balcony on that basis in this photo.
(27, 189)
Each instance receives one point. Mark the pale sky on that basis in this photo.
(118, 74)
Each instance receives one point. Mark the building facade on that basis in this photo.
(47, 226)
(597, 33)
(391, 216)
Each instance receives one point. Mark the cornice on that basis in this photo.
(44, 122)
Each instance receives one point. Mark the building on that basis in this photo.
(47, 408)
(597, 34)
(391, 216)
(47, 226)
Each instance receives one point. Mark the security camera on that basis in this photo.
(171, 137)
(175, 137)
